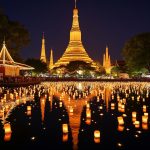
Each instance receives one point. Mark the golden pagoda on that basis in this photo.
(107, 61)
(75, 50)
(43, 53)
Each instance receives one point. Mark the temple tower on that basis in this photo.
(43, 53)
(75, 50)
(107, 61)
(51, 63)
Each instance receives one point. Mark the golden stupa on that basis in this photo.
(75, 50)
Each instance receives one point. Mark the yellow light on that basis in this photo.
(120, 120)
(137, 124)
(144, 119)
(29, 108)
(97, 136)
(65, 128)
(7, 128)
(88, 113)
(144, 108)
(133, 114)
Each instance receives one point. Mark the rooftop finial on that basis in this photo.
(75, 3)
(4, 40)
(43, 35)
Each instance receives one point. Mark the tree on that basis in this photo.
(136, 52)
(16, 35)
(40, 67)
(78, 65)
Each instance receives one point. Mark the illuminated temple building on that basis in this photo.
(75, 50)
(8, 67)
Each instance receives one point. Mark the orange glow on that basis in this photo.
(7, 137)
(144, 126)
(7, 128)
(120, 128)
(65, 137)
(88, 121)
(29, 113)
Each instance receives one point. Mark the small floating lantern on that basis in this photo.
(144, 108)
(133, 114)
(88, 106)
(7, 128)
(144, 119)
(60, 104)
(137, 124)
(97, 136)
(88, 113)
(71, 110)
(65, 128)
(120, 120)
(29, 108)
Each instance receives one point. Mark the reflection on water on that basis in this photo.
(72, 115)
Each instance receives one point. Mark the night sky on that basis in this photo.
(102, 22)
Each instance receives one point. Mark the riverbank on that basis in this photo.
(25, 81)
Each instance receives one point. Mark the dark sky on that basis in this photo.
(102, 22)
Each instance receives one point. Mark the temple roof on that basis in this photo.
(7, 60)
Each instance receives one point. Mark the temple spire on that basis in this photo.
(75, 50)
(75, 4)
(51, 63)
(43, 54)
(107, 61)
(4, 54)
